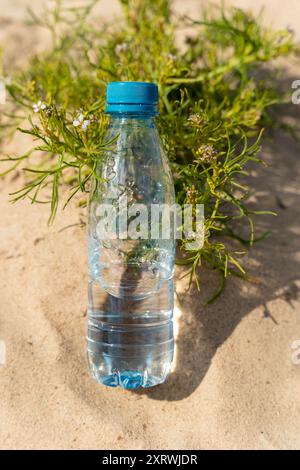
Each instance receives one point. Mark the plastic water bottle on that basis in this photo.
(130, 309)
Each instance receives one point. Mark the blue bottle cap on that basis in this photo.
(132, 97)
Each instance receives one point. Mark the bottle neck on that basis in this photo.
(129, 119)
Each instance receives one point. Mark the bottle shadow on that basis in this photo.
(272, 262)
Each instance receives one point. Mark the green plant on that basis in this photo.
(213, 108)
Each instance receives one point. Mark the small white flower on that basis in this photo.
(85, 124)
(79, 120)
(39, 106)
(123, 47)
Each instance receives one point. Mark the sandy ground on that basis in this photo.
(234, 386)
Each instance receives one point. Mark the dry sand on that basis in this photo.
(234, 385)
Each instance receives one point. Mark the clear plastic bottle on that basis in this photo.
(130, 309)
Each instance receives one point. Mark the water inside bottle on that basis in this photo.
(130, 327)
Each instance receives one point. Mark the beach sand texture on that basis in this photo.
(234, 386)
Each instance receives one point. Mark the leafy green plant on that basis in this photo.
(213, 108)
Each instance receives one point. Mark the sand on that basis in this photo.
(234, 385)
